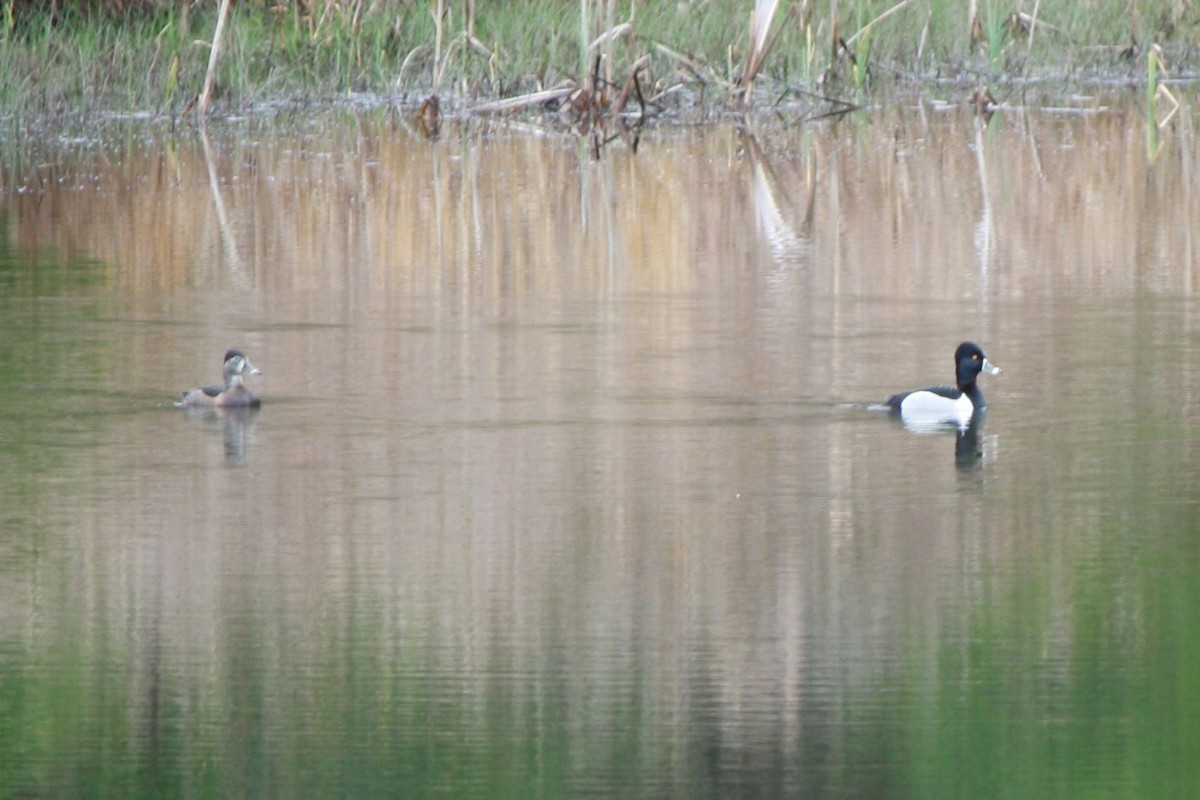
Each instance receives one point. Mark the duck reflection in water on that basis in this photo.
(968, 448)
(968, 443)
(236, 426)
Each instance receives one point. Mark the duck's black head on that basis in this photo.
(969, 361)
(238, 363)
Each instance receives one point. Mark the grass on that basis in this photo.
(151, 55)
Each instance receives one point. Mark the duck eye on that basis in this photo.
(975, 356)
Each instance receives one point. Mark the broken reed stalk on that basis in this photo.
(1157, 71)
(760, 27)
(632, 86)
(214, 55)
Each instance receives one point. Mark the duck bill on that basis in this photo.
(990, 368)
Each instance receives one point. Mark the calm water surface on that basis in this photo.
(564, 482)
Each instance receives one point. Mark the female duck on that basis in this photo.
(948, 404)
(233, 394)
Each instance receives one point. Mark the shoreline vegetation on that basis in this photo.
(581, 59)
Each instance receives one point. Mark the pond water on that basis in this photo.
(565, 481)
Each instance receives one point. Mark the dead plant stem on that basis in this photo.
(438, 15)
(1032, 27)
(214, 56)
(866, 28)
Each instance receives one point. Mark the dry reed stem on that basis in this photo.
(439, 12)
(464, 39)
(1159, 66)
(1029, 21)
(213, 57)
(439, 68)
(701, 71)
(1163, 91)
(835, 31)
(760, 26)
(1037, 4)
(610, 22)
(584, 15)
(420, 51)
(523, 101)
(616, 32)
(924, 37)
(632, 85)
(903, 4)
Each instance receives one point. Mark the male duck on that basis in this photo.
(233, 394)
(948, 404)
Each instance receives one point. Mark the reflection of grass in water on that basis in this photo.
(156, 56)
(1064, 668)
(44, 274)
